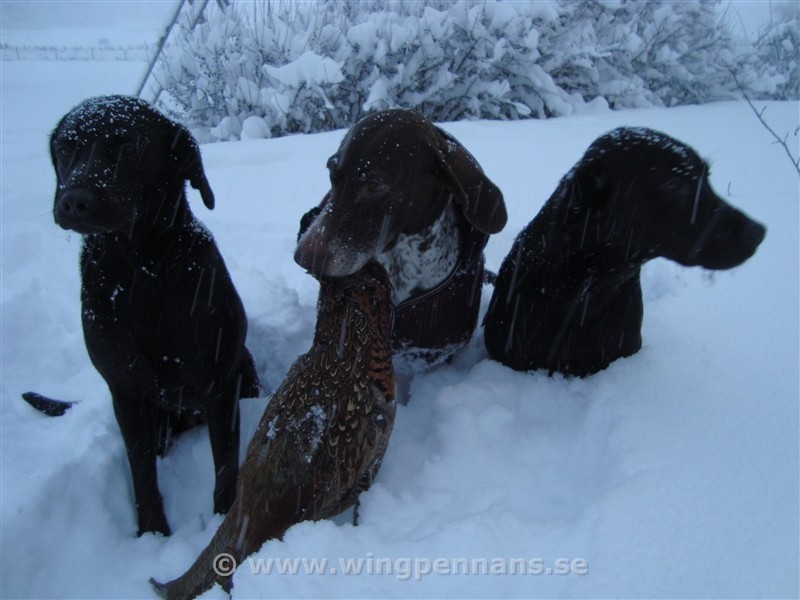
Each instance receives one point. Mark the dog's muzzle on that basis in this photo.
(73, 208)
(87, 211)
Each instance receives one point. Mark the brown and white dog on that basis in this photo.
(410, 196)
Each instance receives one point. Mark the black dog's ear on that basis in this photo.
(186, 153)
(480, 200)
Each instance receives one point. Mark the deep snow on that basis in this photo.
(673, 473)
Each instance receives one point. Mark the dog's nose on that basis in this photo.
(75, 204)
(754, 234)
(311, 258)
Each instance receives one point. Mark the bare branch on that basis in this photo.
(760, 115)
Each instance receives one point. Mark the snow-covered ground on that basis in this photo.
(673, 473)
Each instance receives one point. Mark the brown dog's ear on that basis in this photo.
(186, 153)
(480, 200)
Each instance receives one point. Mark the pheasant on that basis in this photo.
(323, 435)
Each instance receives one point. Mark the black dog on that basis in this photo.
(567, 297)
(162, 321)
(409, 195)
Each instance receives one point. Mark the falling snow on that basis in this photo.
(673, 472)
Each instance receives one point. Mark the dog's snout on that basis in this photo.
(746, 233)
(310, 255)
(76, 203)
(727, 241)
(754, 234)
(321, 256)
(75, 209)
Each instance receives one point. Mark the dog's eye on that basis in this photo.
(127, 149)
(65, 151)
(673, 185)
(333, 168)
(375, 186)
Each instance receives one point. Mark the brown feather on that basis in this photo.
(323, 434)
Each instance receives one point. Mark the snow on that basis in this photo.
(255, 128)
(673, 473)
(308, 68)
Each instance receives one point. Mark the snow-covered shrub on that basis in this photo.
(777, 55)
(637, 54)
(314, 66)
(684, 51)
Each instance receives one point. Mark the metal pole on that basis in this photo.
(161, 43)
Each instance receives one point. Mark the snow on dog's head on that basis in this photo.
(117, 158)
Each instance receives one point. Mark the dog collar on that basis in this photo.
(432, 325)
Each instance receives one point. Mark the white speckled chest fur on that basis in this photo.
(423, 260)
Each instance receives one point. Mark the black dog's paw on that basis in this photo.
(154, 523)
(48, 406)
(223, 500)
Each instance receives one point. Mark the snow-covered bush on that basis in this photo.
(645, 53)
(275, 67)
(777, 56)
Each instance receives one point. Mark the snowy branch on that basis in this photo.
(782, 141)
